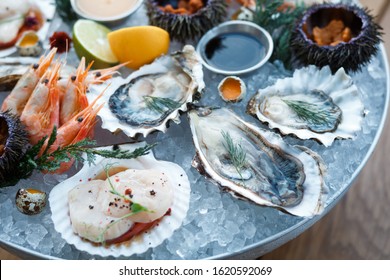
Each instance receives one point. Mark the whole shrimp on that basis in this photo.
(73, 94)
(17, 99)
(41, 112)
(76, 129)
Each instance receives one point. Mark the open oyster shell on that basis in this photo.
(140, 244)
(256, 164)
(312, 104)
(150, 97)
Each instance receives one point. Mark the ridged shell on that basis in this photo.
(307, 81)
(275, 174)
(150, 239)
(116, 101)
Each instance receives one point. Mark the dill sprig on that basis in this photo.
(65, 10)
(135, 208)
(278, 19)
(236, 153)
(160, 104)
(50, 161)
(309, 112)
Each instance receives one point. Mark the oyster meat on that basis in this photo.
(256, 164)
(313, 104)
(82, 206)
(153, 95)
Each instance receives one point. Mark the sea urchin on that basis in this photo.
(182, 20)
(337, 35)
(13, 144)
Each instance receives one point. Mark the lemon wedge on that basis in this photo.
(138, 45)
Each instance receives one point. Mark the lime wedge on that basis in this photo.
(90, 41)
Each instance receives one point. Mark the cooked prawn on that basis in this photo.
(41, 112)
(73, 97)
(78, 128)
(17, 99)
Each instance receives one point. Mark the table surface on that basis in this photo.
(358, 227)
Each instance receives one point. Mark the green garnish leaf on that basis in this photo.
(279, 21)
(137, 208)
(236, 153)
(48, 161)
(160, 104)
(309, 112)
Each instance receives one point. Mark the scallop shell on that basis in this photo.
(150, 239)
(339, 89)
(188, 62)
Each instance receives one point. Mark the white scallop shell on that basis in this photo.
(339, 87)
(140, 244)
(113, 124)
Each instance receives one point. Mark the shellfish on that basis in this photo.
(312, 104)
(150, 97)
(256, 164)
(88, 204)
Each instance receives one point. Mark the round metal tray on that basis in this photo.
(285, 229)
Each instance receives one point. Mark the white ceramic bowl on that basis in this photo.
(109, 20)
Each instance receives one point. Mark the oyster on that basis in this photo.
(256, 164)
(150, 97)
(313, 104)
(69, 208)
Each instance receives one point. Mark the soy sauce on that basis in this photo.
(234, 51)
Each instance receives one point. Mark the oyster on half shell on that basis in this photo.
(256, 164)
(312, 104)
(150, 97)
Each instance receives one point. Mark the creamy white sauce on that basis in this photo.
(105, 8)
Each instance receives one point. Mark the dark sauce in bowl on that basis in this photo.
(234, 51)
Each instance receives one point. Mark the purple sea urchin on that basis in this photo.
(351, 55)
(13, 144)
(183, 27)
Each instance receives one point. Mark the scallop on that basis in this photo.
(30, 201)
(84, 205)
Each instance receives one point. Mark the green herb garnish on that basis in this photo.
(236, 153)
(311, 113)
(161, 104)
(279, 22)
(48, 161)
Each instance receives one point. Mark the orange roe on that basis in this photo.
(231, 89)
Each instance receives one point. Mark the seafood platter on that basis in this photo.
(181, 129)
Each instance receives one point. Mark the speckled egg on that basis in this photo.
(30, 201)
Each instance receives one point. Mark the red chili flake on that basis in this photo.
(61, 41)
(89, 179)
(168, 213)
(128, 192)
(81, 180)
